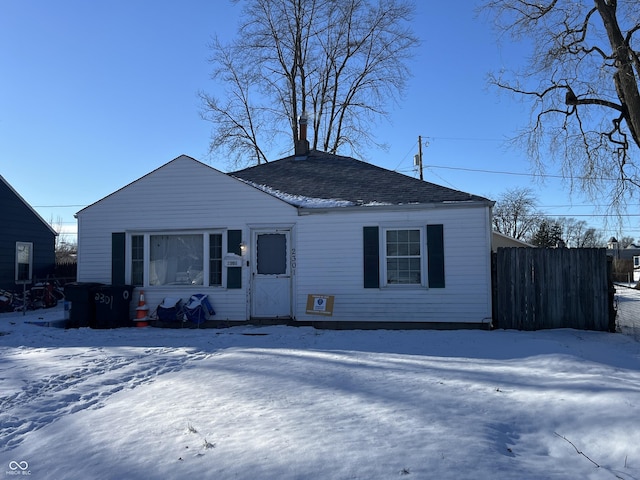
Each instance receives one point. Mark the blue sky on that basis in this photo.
(93, 95)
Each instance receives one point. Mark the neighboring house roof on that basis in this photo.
(626, 253)
(501, 240)
(36, 214)
(344, 181)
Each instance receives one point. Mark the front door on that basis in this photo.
(271, 274)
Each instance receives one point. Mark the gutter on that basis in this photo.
(402, 207)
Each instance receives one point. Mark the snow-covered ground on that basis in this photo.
(297, 403)
(628, 310)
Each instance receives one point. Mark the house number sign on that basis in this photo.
(293, 261)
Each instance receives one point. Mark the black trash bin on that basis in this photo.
(112, 306)
(81, 295)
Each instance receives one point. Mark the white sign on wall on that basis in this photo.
(320, 304)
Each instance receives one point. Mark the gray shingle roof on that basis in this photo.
(321, 175)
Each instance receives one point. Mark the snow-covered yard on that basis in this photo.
(297, 403)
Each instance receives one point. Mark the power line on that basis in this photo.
(574, 206)
(467, 139)
(521, 174)
(404, 158)
(496, 172)
(57, 206)
(590, 215)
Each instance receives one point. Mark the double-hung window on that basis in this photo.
(137, 260)
(215, 259)
(404, 261)
(406, 256)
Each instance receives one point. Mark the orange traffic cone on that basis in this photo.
(142, 312)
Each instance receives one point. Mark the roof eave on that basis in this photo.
(403, 207)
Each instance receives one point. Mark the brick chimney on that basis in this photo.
(302, 144)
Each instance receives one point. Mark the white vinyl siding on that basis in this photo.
(185, 196)
(330, 262)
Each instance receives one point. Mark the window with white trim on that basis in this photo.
(215, 259)
(176, 259)
(403, 256)
(137, 260)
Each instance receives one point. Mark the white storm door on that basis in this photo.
(271, 274)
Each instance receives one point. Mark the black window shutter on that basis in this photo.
(435, 255)
(118, 256)
(371, 249)
(234, 274)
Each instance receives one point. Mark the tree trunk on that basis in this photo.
(625, 78)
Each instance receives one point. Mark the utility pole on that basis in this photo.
(420, 156)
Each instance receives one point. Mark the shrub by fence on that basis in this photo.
(538, 288)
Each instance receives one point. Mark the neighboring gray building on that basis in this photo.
(627, 253)
(630, 252)
(21, 223)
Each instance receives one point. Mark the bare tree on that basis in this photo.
(582, 80)
(65, 249)
(239, 120)
(625, 241)
(592, 238)
(515, 213)
(341, 62)
(578, 234)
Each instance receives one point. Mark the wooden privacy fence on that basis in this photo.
(537, 288)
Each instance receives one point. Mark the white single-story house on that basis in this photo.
(313, 238)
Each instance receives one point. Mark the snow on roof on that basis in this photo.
(300, 200)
